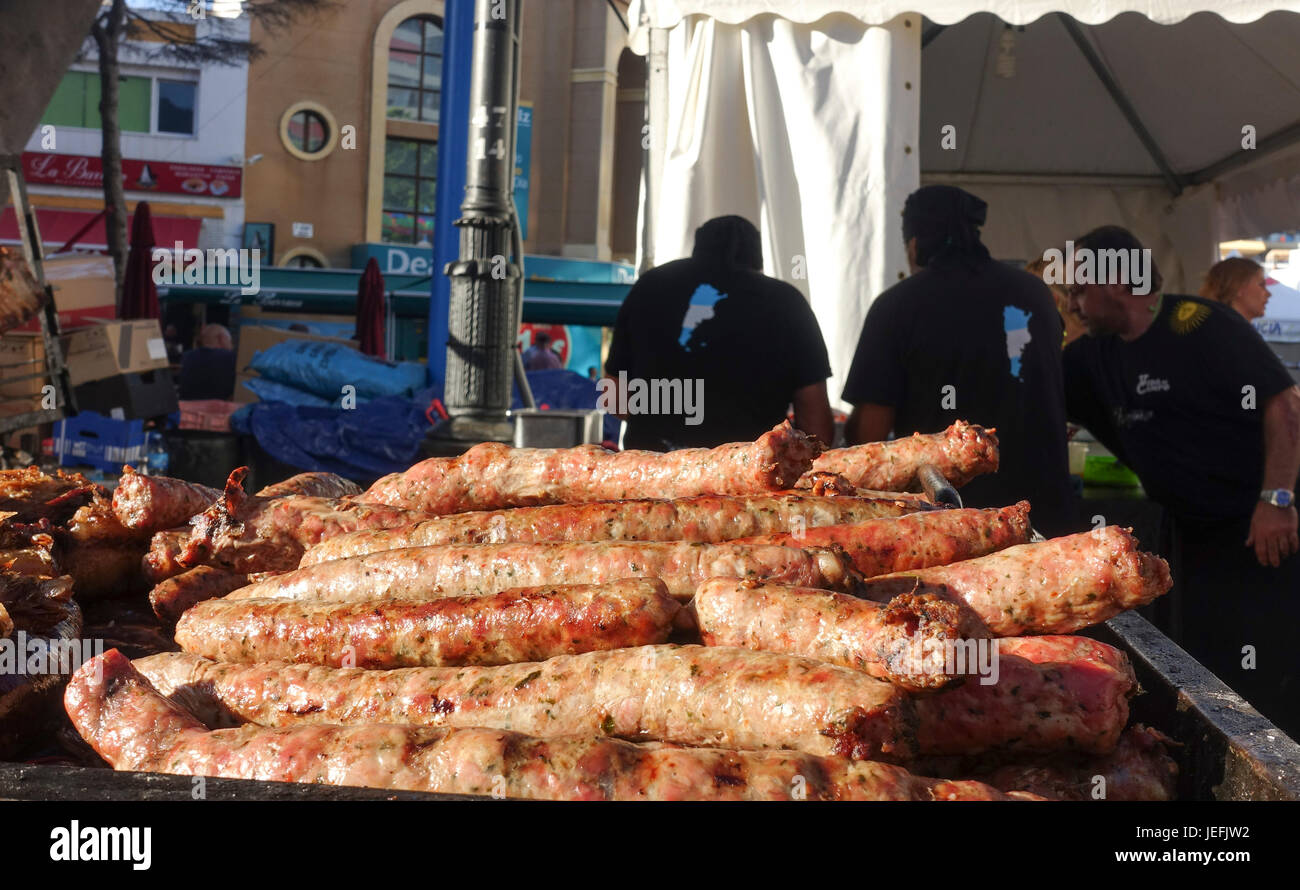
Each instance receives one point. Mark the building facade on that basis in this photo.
(343, 132)
(182, 146)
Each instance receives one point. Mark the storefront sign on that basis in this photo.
(1277, 331)
(410, 259)
(164, 177)
(523, 162)
(395, 259)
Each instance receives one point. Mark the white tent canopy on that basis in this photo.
(1062, 127)
(816, 118)
(665, 14)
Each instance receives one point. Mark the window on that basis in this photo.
(76, 104)
(308, 131)
(415, 70)
(410, 185)
(303, 258)
(176, 106)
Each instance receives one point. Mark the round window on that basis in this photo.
(308, 131)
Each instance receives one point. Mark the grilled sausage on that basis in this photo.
(904, 641)
(172, 597)
(157, 503)
(1052, 693)
(491, 475)
(167, 548)
(1058, 586)
(134, 728)
(318, 485)
(935, 538)
(471, 569)
(257, 534)
(162, 559)
(1140, 768)
(705, 519)
(691, 695)
(960, 453)
(528, 624)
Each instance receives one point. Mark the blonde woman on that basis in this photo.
(1239, 283)
(1074, 326)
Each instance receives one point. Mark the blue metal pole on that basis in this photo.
(453, 127)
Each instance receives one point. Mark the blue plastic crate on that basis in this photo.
(90, 439)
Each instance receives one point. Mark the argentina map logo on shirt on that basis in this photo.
(1016, 324)
(700, 309)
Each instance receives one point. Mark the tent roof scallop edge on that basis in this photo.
(647, 14)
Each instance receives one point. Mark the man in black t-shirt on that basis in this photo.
(741, 345)
(967, 338)
(1189, 396)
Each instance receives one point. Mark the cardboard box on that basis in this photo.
(90, 439)
(111, 348)
(83, 290)
(243, 395)
(22, 354)
(129, 396)
(257, 338)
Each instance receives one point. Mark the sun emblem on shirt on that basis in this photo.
(1187, 316)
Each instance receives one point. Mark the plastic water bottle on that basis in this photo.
(156, 456)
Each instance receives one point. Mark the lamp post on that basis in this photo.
(486, 279)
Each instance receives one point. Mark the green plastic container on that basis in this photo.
(1106, 470)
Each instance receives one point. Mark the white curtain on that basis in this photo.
(1261, 198)
(805, 129)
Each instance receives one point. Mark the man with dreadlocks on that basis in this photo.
(967, 338)
(714, 325)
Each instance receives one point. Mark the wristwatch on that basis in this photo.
(1278, 497)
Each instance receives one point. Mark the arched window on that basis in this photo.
(415, 70)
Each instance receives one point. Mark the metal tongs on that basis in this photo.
(937, 488)
(941, 491)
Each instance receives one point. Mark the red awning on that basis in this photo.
(57, 226)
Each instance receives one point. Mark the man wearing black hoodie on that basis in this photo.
(740, 345)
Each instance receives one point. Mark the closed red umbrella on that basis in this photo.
(139, 293)
(370, 310)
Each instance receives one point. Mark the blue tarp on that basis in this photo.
(377, 437)
(325, 369)
(381, 436)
